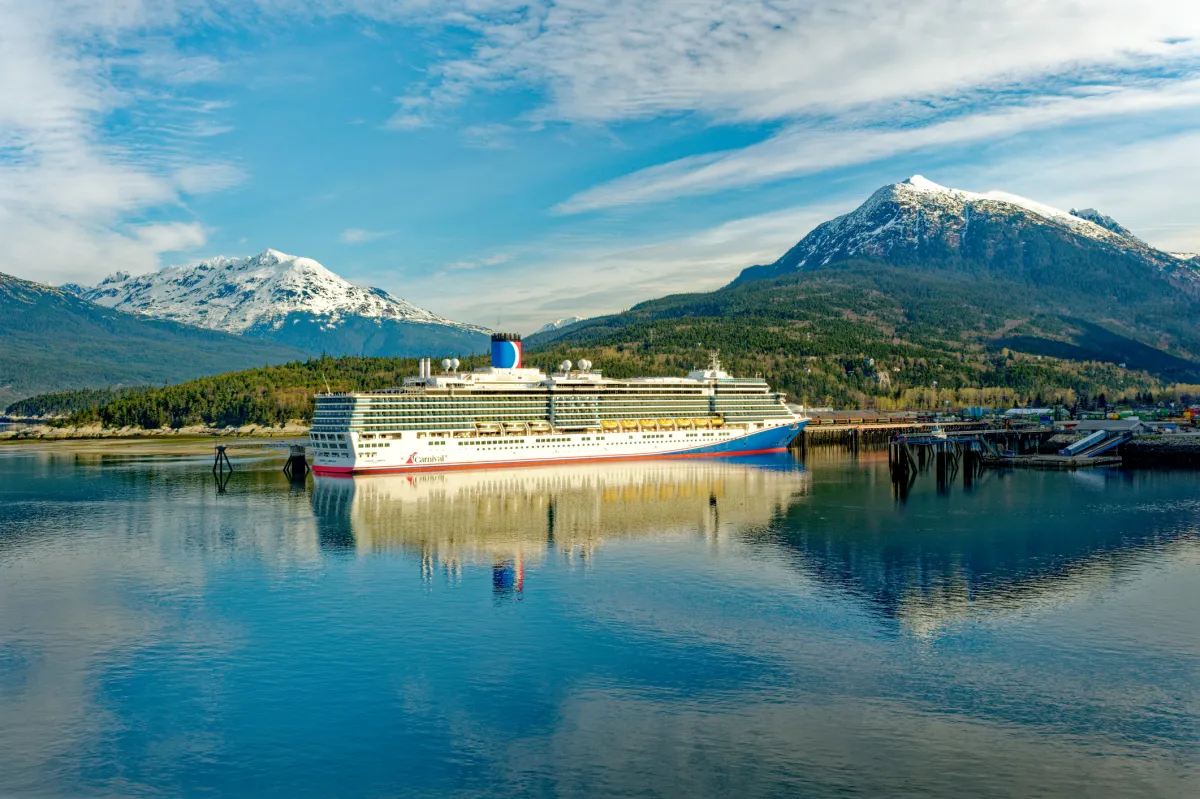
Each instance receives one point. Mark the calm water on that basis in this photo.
(748, 628)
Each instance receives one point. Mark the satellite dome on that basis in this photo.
(446, 364)
(454, 364)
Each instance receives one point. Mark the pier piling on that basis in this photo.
(222, 461)
(297, 467)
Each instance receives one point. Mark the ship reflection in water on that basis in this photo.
(702, 628)
(508, 519)
(924, 566)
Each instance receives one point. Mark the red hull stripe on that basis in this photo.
(346, 471)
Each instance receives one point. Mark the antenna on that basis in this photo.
(328, 390)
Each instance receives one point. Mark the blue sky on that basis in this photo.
(507, 163)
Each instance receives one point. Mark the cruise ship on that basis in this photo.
(507, 415)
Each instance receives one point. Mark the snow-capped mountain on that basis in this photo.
(918, 222)
(558, 324)
(290, 299)
(235, 294)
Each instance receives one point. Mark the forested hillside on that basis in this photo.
(51, 340)
(275, 395)
(278, 394)
(67, 403)
(875, 335)
(271, 395)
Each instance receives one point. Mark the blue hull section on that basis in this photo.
(764, 441)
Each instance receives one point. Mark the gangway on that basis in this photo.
(1084, 443)
(1104, 445)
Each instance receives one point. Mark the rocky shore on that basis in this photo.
(48, 432)
(1166, 450)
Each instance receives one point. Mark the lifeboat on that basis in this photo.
(666, 424)
(716, 422)
(488, 427)
(700, 423)
(609, 425)
(683, 424)
(648, 424)
(628, 424)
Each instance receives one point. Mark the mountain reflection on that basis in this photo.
(506, 519)
(1029, 538)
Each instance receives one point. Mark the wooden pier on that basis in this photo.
(854, 432)
(968, 453)
(946, 456)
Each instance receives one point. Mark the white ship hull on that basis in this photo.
(354, 453)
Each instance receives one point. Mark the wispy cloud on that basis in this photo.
(763, 60)
(805, 149)
(412, 112)
(481, 263)
(492, 136)
(67, 188)
(558, 276)
(208, 178)
(354, 235)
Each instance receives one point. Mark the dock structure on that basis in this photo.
(295, 467)
(971, 452)
(1097, 449)
(853, 430)
(945, 455)
(1053, 461)
(856, 429)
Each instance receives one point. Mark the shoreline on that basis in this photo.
(241, 446)
(45, 433)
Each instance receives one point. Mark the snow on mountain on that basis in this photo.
(236, 294)
(918, 219)
(558, 324)
(1106, 222)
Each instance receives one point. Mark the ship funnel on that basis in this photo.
(506, 351)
